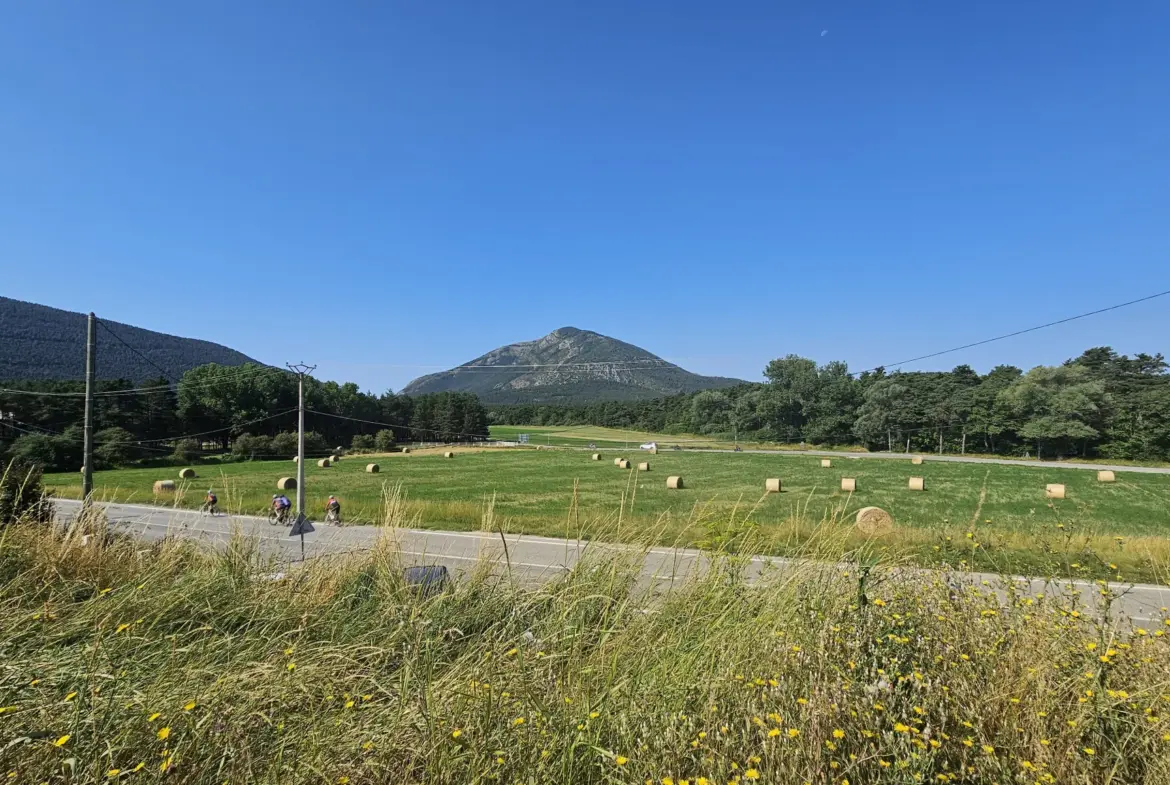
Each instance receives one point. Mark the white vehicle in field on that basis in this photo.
(649, 446)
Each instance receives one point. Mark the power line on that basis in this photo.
(155, 365)
(1017, 332)
(138, 390)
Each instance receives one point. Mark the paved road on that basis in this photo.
(898, 456)
(536, 559)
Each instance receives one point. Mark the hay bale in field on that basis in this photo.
(187, 474)
(164, 486)
(917, 484)
(674, 483)
(623, 464)
(335, 458)
(653, 451)
(406, 451)
(596, 456)
(872, 520)
(643, 467)
(772, 485)
(1106, 476)
(324, 463)
(296, 459)
(373, 468)
(1054, 491)
(448, 454)
(339, 451)
(848, 484)
(916, 460)
(617, 461)
(826, 463)
(286, 484)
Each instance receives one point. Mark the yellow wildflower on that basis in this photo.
(61, 742)
(621, 760)
(164, 733)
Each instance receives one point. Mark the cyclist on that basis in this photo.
(211, 503)
(281, 505)
(333, 511)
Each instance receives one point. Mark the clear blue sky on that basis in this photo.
(720, 183)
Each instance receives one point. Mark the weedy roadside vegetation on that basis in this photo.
(126, 661)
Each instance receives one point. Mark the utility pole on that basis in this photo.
(87, 447)
(300, 369)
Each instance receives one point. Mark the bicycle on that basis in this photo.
(209, 508)
(278, 518)
(333, 517)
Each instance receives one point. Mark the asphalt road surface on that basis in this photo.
(535, 559)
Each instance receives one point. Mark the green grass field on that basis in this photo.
(978, 515)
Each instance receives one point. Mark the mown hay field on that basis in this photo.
(984, 516)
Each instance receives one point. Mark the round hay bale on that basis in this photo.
(623, 464)
(848, 484)
(448, 454)
(335, 458)
(1054, 491)
(653, 451)
(596, 456)
(187, 474)
(339, 451)
(296, 459)
(917, 484)
(674, 483)
(1106, 476)
(772, 485)
(916, 460)
(872, 520)
(83, 470)
(643, 467)
(617, 461)
(373, 468)
(406, 451)
(164, 486)
(286, 484)
(826, 463)
(324, 463)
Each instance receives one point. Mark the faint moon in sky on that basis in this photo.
(824, 33)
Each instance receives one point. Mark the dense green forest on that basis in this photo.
(39, 342)
(1099, 404)
(246, 411)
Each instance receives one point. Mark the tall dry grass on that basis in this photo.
(164, 662)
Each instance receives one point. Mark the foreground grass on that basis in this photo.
(164, 663)
(986, 517)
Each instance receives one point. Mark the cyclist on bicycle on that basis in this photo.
(211, 503)
(281, 505)
(333, 510)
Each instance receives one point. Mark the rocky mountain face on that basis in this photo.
(567, 366)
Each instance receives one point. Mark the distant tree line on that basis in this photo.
(247, 412)
(1098, 404)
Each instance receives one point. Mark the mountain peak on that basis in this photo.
(569, 365)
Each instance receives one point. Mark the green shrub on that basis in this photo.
(113, 447)
(248, 447)
(384, 440)
(363, 441)
(22, 495)
(284, 445)
(186, 451)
